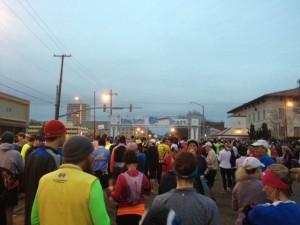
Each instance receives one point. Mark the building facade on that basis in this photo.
(78, 112)
(14, 113)
(279, 110)
(71, 129)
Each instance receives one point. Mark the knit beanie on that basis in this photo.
(7, 137)
(192, 141)
(77, 149)
(54, 128)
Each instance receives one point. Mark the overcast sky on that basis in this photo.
(158, 55)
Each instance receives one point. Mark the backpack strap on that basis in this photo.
(131, 187)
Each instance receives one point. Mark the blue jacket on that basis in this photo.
(279, 213)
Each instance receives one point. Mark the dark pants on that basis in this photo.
(210, 177)
(232, 172)
(9, 199)
(103, 177)
(117, 172)
(130, 219)
(159, 171)
(2, 214)
(226, 178)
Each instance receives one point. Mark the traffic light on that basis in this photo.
(130, 108)
(104, 107)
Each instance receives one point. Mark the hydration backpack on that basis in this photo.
(7, 181)
(134, 188)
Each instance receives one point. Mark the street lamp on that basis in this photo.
(203, 127)
(80, 114)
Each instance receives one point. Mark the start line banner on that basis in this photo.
(154, 121)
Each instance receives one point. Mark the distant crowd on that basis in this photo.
(70, 181)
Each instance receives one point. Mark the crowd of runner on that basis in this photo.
(67, 181)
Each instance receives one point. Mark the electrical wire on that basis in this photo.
(16, 15)
(59, 43)
(55, 40)
(22, 86)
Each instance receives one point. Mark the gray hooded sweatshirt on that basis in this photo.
(11, 159)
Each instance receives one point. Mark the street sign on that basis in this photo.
(100, 126)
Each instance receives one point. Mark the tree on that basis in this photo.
(260, 133)
(35, 122)
(194, 113)
(265, 133)
(252, 133)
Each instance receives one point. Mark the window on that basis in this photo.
(281, 131)
(264, 114)
(296, 112)
(296, 131)
(258, 115)
(281, 113)
(253, 117)
(249, 118)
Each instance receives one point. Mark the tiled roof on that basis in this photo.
(286, 93)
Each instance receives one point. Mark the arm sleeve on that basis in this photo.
(215, 217)
(35, 215)
(116, 194)
(220, 157)
(156, 202)
(208, 159)
(97, 205)
(234, 201)
(20, 164)
(112, 161)
(24, 150)
(146, 186)
(168, 150)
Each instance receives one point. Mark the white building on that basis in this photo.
(71, 129)
(279, 110)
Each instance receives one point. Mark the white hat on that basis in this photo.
(251, 163)
(261, 143)
(153, 141)
(207, 144)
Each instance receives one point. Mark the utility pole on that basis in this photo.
(110, 113)
(58, 91)
(94, 115)
(110, 95)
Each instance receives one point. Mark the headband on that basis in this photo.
(271, 180)
(189, 176)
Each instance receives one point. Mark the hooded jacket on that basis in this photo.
(11, 159)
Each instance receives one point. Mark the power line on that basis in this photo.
(26, 94)
(75, 61)
(45, 31)
(47, 27)
(57, 42)
(43, 43)
(22, 85)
